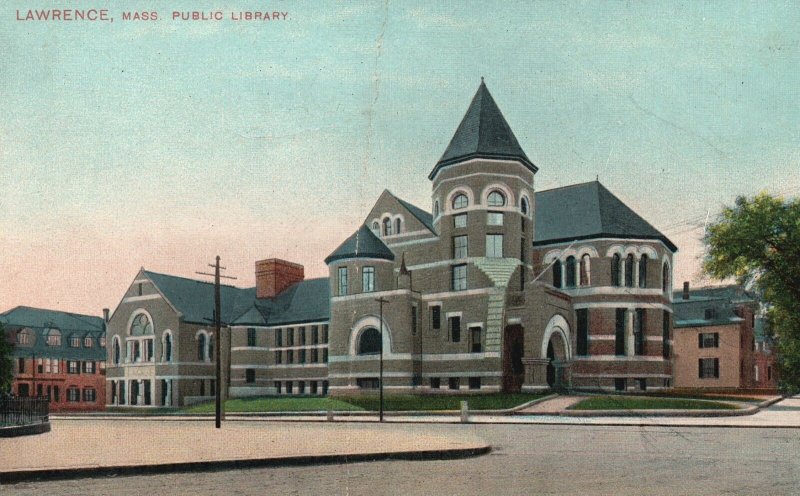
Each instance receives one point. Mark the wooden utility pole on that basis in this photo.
(218, 339)
(381, 301)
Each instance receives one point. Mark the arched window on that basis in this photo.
(571, 272)
(201, 347)
(167, 351)
(665, 278)
(615, 262)
(387, 227)
(25, 337)
(210, 355)
(586, 270)
(524, 206)
(460, 201)
(397, 225)
(496, 199)
(629, 271)
(116, 351)
(643, 271)
(369, 343)
(436, 209)
(376, 228)
(141, 325)
(557, 273)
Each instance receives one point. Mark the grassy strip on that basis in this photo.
(397, 403)
(648, 403)
(709, 396)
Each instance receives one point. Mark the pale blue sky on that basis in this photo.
(163, 144)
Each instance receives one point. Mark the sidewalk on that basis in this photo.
(92, 447)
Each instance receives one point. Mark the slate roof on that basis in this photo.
(305, 301)
(41, 321)
(722, 300)
(483, 133)
(425, 217)
(588, 210)
(361, 244)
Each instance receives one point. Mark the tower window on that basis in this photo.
(460, 201)
(494, 245)
(557, 273)
(524, 206)
(629, 271)
(494, 218)
(459, 221)
(496, 199)
(615, 266)
(459, 247)
(571, 272)
(342, 281)
(368, 280)
(643, 271)
(459, 277)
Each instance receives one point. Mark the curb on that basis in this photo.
(25, 430)
(218, 465)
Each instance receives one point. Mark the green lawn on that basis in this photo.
(648, 403)
(701, 396)
(369, 402)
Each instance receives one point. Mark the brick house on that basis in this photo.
(716, 343)
(58, 355)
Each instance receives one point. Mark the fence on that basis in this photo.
(23, 411)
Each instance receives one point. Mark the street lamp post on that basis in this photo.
(381, 301)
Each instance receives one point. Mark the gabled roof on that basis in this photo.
(588, 210)
(361, 244)
(305, 301)
(195, 299)
(483, 133)
(41, 322)
(425, 217)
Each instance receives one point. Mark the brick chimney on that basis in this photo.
(685, 290)
(274, 275)
(105, 315)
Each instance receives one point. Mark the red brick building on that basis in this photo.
(58, 355)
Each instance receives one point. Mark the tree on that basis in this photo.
(6, 363)
(757, 241)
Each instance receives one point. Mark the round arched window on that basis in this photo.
(376, 228)
(496, 199)
(435, 209)
(369, 343)
(141, 325)
(524, 206)
(460, 201)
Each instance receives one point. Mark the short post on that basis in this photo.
(330, 415)
(464, 412)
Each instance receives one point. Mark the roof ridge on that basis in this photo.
(190, 279)
(568, 186)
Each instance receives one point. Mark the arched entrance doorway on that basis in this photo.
(513, 350)
(556, 349)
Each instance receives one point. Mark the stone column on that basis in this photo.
(535, 374)
(630, 347)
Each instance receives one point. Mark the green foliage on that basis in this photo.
(6, 362)
(648, 403)
(757, 240)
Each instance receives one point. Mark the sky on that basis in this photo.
(161, 144)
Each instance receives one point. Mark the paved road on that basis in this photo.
(527, 459)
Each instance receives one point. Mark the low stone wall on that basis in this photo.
(24, 430)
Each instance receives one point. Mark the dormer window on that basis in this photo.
(496, 199)
(460, 201)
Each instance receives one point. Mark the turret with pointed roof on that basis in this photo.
(483, 133)
(361, 244)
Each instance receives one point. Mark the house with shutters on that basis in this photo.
(58, 355)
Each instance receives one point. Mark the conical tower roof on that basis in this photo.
(362, 244)
(483, 133)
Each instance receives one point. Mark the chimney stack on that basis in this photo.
(275, 275)
(686, 290)
(105, 315)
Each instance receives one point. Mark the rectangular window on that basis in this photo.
(301, 335)
(88, 367)
(436, 317)
(288, 387)
(301, 387)
(494, 219)
(710, 314)
(278, 357)
(413, 320)
(342, 281)
(314, 355)
(73, 395)
(454, 328)
(494, 245)
(122, 398)
(312, 386)
(325, 355)
(73, 367)
(290, 337)
(251, 336)
(708, 340)
(39, 366)
(665, 335)
(368, 382)
(74, 342)
(314, 335)
(454, 382)
(368, 280)
(638, 332)
(21, 365)
(619, 341)
(582, 317)
(90, 395)
(278, 337)
(87, 342)
(459, 277)
(55, 340)
(301, 356)
(620, 384)
(474, 382)
(277, 387)
(289, 356)
(436, 383)
(460, 221)
(46, 365)
(708, 368)
(459, 247)
(250, 376)
(475, 339)
(324, 339)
